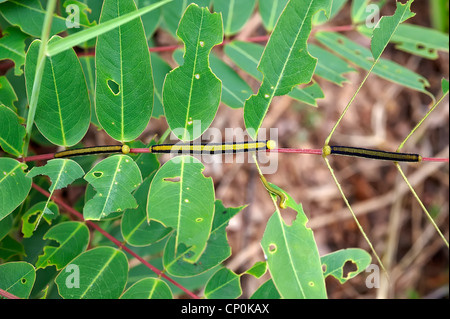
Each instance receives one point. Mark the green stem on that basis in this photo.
(421, 121)
(422, 205)
(40, 64)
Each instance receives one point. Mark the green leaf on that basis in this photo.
(235, 13)
(29, 15)
(10, 248)
(286, 61)
(12, 47)
(444, 86)
(63, 106)
(114, 179)
(387, 26)
(420, 40)
(12, 133)
(217, 248)
(224, 284)
(270, 11)
(363, 58)
(329, 66)
(359, 11)
(17, 278)
(160, 70)
(333, 263)
(103, 279)
(336, 7)
(7, 94)
(88, 65)
(173, 12)
(192, 91)
(148, 288)
(14, 185)
(258, 269)
(85, 35)
(136, 231)
(182, 198)
(124, 84)
(292, 256)
(234, 89)
(152, 19)
(246, 55)
(31, 218)
(73, 238)
(266, 291)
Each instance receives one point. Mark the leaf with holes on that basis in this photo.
(292, 256)
(62, 172)
(286, 61)
(63, 107)
(333, 264)
(17, 278)
(224, 284)
(114, 179)
(12, 132)
(217, 248)
(387, 26)
(30, 220)
(73, 238)
(124, 84)
(14, 185)
(103, 279)
(148, 288)
(182, 198)
(191, 92)
(12, 47)
(235, 13)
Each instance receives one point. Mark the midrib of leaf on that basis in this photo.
(272, 13)
(12, 171)
(63, 134)
(223, 285)
(99, 273)
(152, 291)
(122, 125)
(12, 50)
(18, 281)
(5, 142)
(180, 202)
(232, 94)
(290, 52)
(192, 77)
(111, 185)
(63, 243)
(238, 49)
(230, 16)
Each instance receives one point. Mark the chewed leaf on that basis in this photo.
(62, 172)
(388, 26)
(286, 61)
(224, 284)
(17, 278)
(14, 185)
(258, 269)
(114, 179)
(73, 238)
(191, 92)
(46, 210)
(334, 263)
(124, 83)
(12, 46)
(182, 198)
(292, 256)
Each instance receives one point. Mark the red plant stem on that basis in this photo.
(297, 150)
(8, 295)
(139, 150)
(434, 159)
(41, 157)
(119, 244)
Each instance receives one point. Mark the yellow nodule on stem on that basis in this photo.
(271, 144)
(326, 150)
(125, 149)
